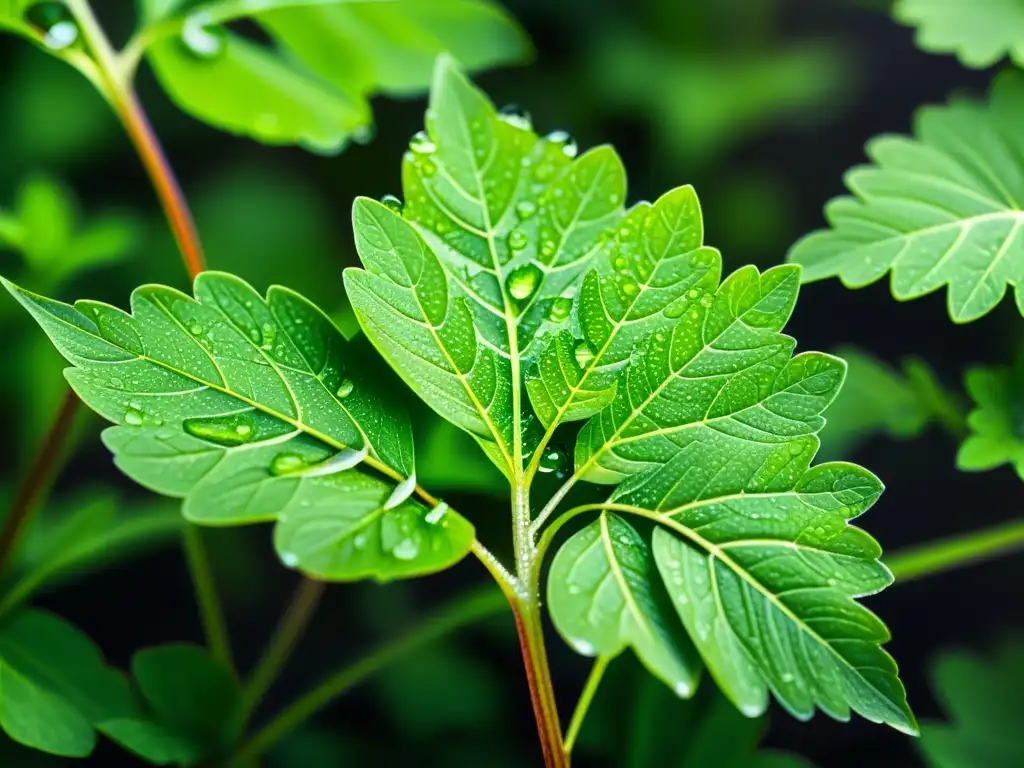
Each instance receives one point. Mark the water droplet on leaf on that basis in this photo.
(56, 22)
(523, 281)
(517, 240)
(286, 464)
(364, 134)
(392, 203)
(552, 459)
(525, 209)
(515, 115)
(290, 559)
(567, 142)
(422, 144)
(406, 549)
(345, 388)
(584, 354)
(222, 430)
(203, 39)
(559, 309)
(133, 417)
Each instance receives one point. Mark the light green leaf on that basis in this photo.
(498, 224)
(601, 596)
(723, 370)
(980, 33)
(248, 407)
(55, 686)
(764, 578)
(943, 208)
(312, 87)
(982, 698)
(643, 271)
(876, 399)
(996, 434)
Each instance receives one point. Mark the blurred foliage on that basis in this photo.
(983, 698)
(997, 421)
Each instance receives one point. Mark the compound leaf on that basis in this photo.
(55, 687)
(994, 424)
(253, 410)
(943, 208)
(601, 596)
(980, 33)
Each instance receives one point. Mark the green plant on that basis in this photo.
(614, 382)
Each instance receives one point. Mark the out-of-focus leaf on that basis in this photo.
(944, 208)
(996, 423)
(311, 86)
(43, 228)
(194, 706)
(984, 700)
(312, 747)
(699, 106)
(979, 32)
(95, 528)
(875, 399)
(55, 686)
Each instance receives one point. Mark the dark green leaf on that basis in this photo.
(55, 686)
(943, 208)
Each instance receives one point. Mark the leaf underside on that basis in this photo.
(253, 410)
(944, 208)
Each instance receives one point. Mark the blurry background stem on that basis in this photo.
(956, 551)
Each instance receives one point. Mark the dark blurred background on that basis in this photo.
(762, 105)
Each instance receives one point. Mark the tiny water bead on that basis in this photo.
(286, 464)
(513, 114)
(559, 309)
(523, 281)
(345, 388)
(584, 354)
(567, 142)
(202, 39)
(55, 21)
(222, 430)
(552, 460)
(290, 559)
(269, 333)
(422, 144)
(518, 239)
(525, 209)
(392, 203)
(133, 417)
(406, 549)
(364, 134)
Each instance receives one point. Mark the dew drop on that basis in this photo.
(682, 690)
(582, 646)
(56, 23)
(515, 115)
(832, 582)
(523, 281)
(243, 430)
(422, 144)
(359, 542)
(567, 142)
(693, 293)
(630, 289)
(406, 549)
(268, 336)
(552, 460)
(796, 449)
(574, 589)
(706, 301)
(345, 388)
(675, 309)
(518, 239)
(525, 209)
(364, 134)
(222, 430)
(584, 354)
(133, 417)
(196, 329)
(787, 677)
(290, 559)
(559, 309)
(286, 464)
(392, 203)
(203, 39)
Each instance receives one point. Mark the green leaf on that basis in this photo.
(996, 424)
(601, 596)
(875, 399)
(498, 224)
(194, 707)
(980, 33)
(252, 409)
(943, 208)
(312, 86)
(44, 229)
(55, 686)
(983, 700)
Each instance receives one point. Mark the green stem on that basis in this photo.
(475, 606)
(589, 689)
(279, 650)
(210, 610)
(956, 551)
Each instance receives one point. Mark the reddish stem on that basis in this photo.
(538, 676)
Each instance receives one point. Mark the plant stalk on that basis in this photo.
(586, 697)
(37, 480)
(955, 551)
(293, 624)
(460, 612)
(211, 612)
